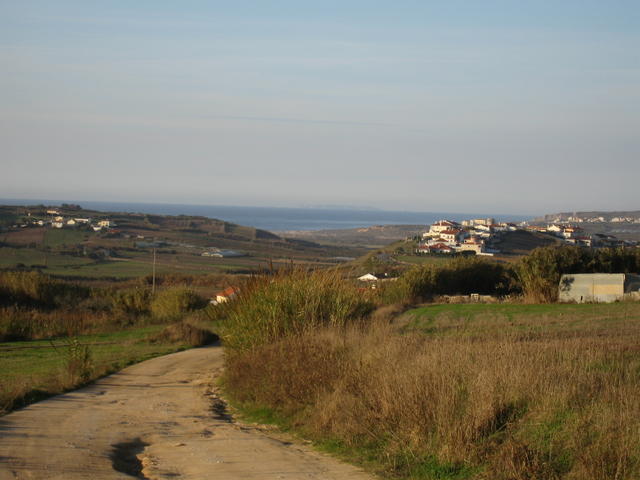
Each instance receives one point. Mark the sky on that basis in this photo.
(452, 106)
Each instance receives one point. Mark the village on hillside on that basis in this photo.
(55, 219)
(587, 218)
(483, 235)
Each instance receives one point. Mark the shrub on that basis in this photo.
(539, 273)
(135, 301)
(272, 307)
(35, 289)
(186, 334)
(174, 302)
(30, 324)
(78, 361)
(460, 276)
(15, 325)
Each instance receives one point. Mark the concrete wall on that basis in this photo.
(591, 287)
(597, 287)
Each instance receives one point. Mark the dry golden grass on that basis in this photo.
(503, 400)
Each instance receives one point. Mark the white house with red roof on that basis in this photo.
(441, 226)
(225, 295)
(452, 235)
(571, 232)
(436, 248)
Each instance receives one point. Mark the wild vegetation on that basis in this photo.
(126, 249)
(462, 275)
(534, 278)
(518, 390)
(286, 303)
(539, 273)
(505, 391)
(55, 335)
(35, 369)
(35, 306)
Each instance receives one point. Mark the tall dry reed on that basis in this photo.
(557, 404)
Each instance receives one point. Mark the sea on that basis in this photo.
(279, 219)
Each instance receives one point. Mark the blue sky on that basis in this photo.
(496, 106)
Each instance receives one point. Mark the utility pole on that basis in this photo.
(153, 277)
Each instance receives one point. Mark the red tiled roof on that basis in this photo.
(441, 246)
(227, 292)
(446, 222)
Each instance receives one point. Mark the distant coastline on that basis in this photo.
(277, 219)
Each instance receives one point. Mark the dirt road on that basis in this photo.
(154, 420)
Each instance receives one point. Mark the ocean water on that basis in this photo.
(278, 219)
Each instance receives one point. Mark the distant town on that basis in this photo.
(482, 235)
(57, 220)
(479, 236)
(54, 218)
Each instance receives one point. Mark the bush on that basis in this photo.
(78, 362)
(539, 273)
(272, 307)
(136, 301)
(18, 323)
(460, 276)
(15, 325)
(186, 334)
(35, 289)
(174, 302)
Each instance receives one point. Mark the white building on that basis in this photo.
(441, 226)
(452, 236)
(225, 295)
(598, 287)
(368, 277)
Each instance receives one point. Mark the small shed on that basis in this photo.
(598, 287)
(225, 295)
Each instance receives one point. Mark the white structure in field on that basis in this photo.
(225, 295)
(368, 277)
(598, 287)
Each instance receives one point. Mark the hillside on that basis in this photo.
(183, 244)
(522, 242)
(606, 215)
(375, 236)
(399, 256)
(624, 225)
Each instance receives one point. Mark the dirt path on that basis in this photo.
(154, 420)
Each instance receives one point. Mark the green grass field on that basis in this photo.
(39, 357)
(10, 257)
(55, 237)
(137, 264)
(37, 366)
(477, 319)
